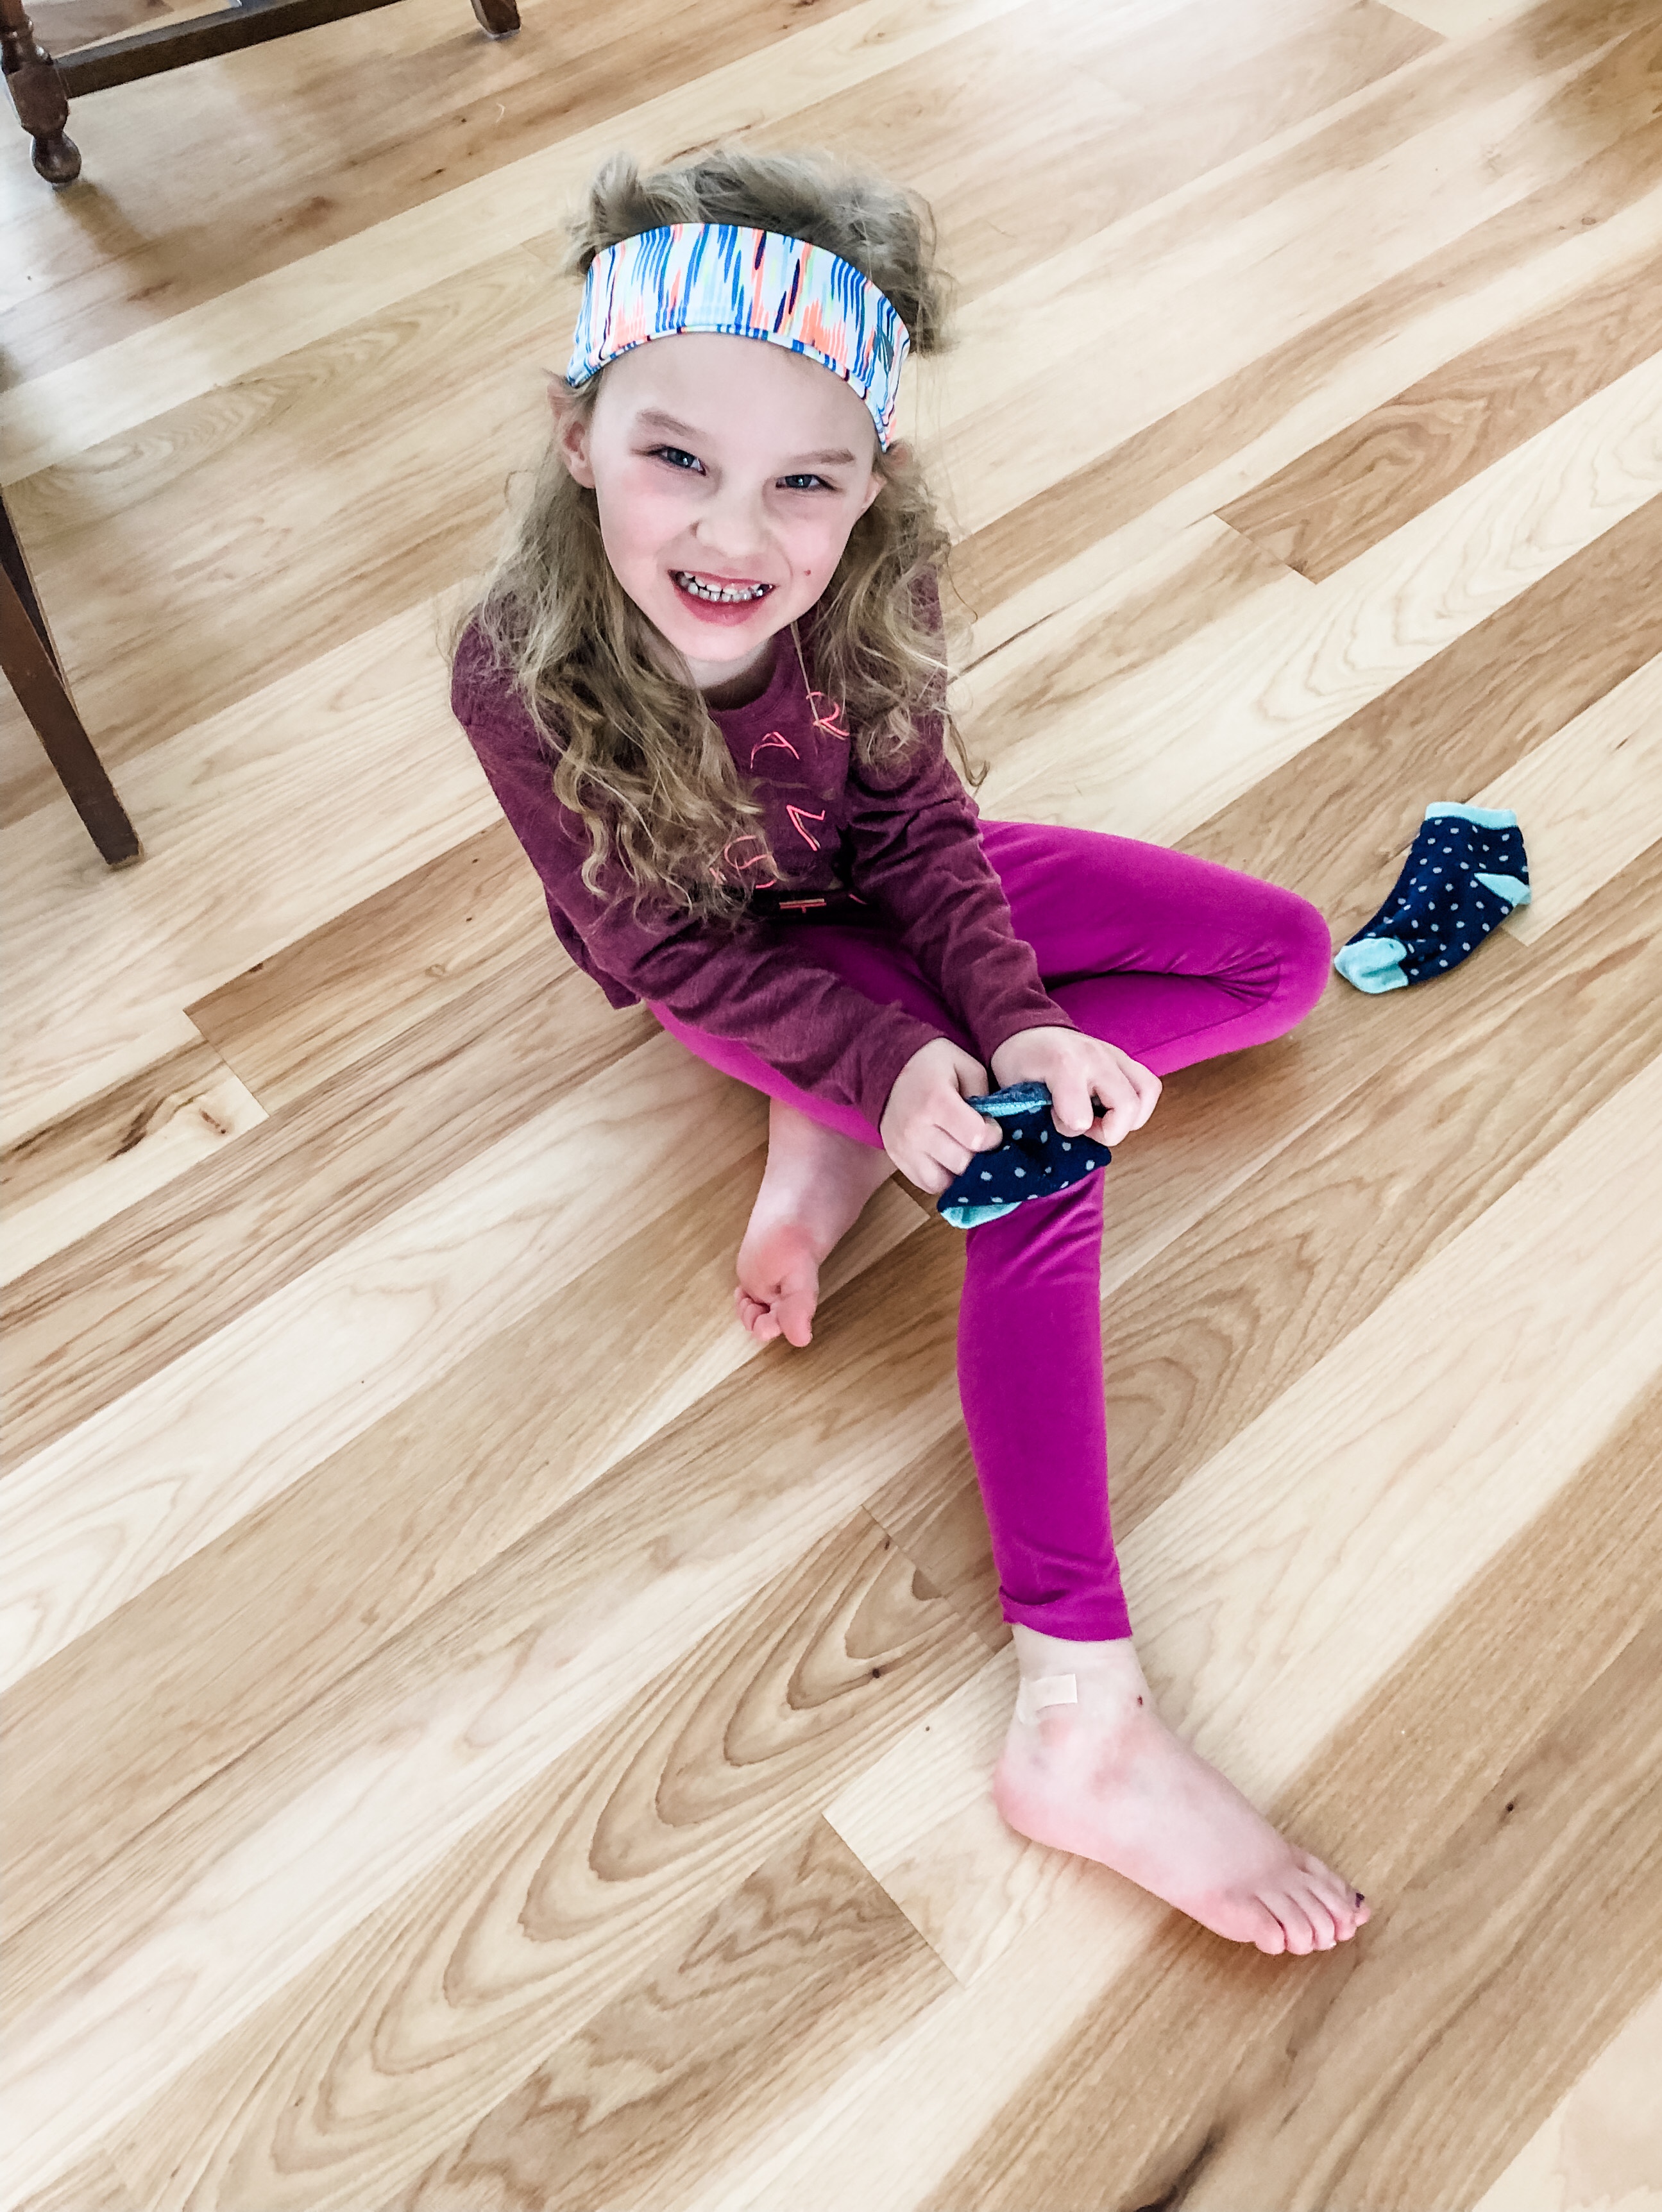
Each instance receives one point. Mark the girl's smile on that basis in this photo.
(728, 475)
(718, 599)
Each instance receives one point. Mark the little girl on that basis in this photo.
(708, 688)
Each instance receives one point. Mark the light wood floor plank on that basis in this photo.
(225, 1427)
(519, 1937)
(1462, 18)
(1591, 797)
(1148, 105)
(93, 2186)
(1219, 2029)
(327, 786)
(75, 1175)
(1198, 730)
(380, 968)
(108, 1317)
(1348, 494)
(1567, 1835)
(808, 1964)
(1603, 2144)
(250, 1881)
(1172, 300)
(221, 545)
(1263, 417)
(1335, 822)
(1284, 1266)
(191, 1674)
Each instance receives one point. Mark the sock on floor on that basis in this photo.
(1465, 872)
(1034, 1161)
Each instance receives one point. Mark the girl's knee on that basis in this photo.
(1307, 953)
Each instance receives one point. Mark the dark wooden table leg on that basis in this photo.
(31, 667)
(38, 94)
(500, 17)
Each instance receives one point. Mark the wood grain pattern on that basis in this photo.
(1536, 1642)
(76, 1174)
(806, 1964)
(1588, 794)
(1346, 494)
(1568, 1833)
(86, 1328)
(721, 1760)
(210, 1435)
(486, 1688)
(327, 785)
(1472, 286)
(258, 580)
(1463, 18)
(1605, 2140)
(1335, 822)
(1194, 263)
(385, 966)
(1172, 92)
(1242, 699)
(1284, 1268)
(93, 2186)
(200, 1666)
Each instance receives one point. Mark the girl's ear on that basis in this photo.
(571, 431)
(899, 457)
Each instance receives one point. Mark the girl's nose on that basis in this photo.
(733, 525)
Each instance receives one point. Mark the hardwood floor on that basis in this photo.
(481, 1736)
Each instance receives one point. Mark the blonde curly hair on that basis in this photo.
(637, 755)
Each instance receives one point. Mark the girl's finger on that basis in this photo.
(947, 1152)
(957, 1120)
(1120, 1105)
(1070, 1106)
(1146, 1083)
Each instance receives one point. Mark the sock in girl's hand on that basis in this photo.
(1465, 872)
(1034, 1161)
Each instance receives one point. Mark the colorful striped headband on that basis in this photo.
(747, 285)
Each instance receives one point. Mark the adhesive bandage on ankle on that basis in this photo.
(1046, 1690)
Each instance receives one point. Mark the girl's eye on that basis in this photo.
(676, 457)
(806, 483)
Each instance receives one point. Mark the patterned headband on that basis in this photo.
(747, 285)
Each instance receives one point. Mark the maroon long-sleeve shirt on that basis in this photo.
(905, 842)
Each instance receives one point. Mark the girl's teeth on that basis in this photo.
(727, 594)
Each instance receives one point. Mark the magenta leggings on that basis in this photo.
(1173, 960)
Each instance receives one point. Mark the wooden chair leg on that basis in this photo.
(32, 674)
(500, 18)
(37, 95)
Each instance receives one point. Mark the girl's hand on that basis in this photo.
(927, 1130)
(1079, 1068)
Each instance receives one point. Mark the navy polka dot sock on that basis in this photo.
(1465, 872)
(1034, 1161)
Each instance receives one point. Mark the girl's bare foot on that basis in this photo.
(813, 1191)
(1104, 1777)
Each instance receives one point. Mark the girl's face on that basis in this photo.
(729, 474)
